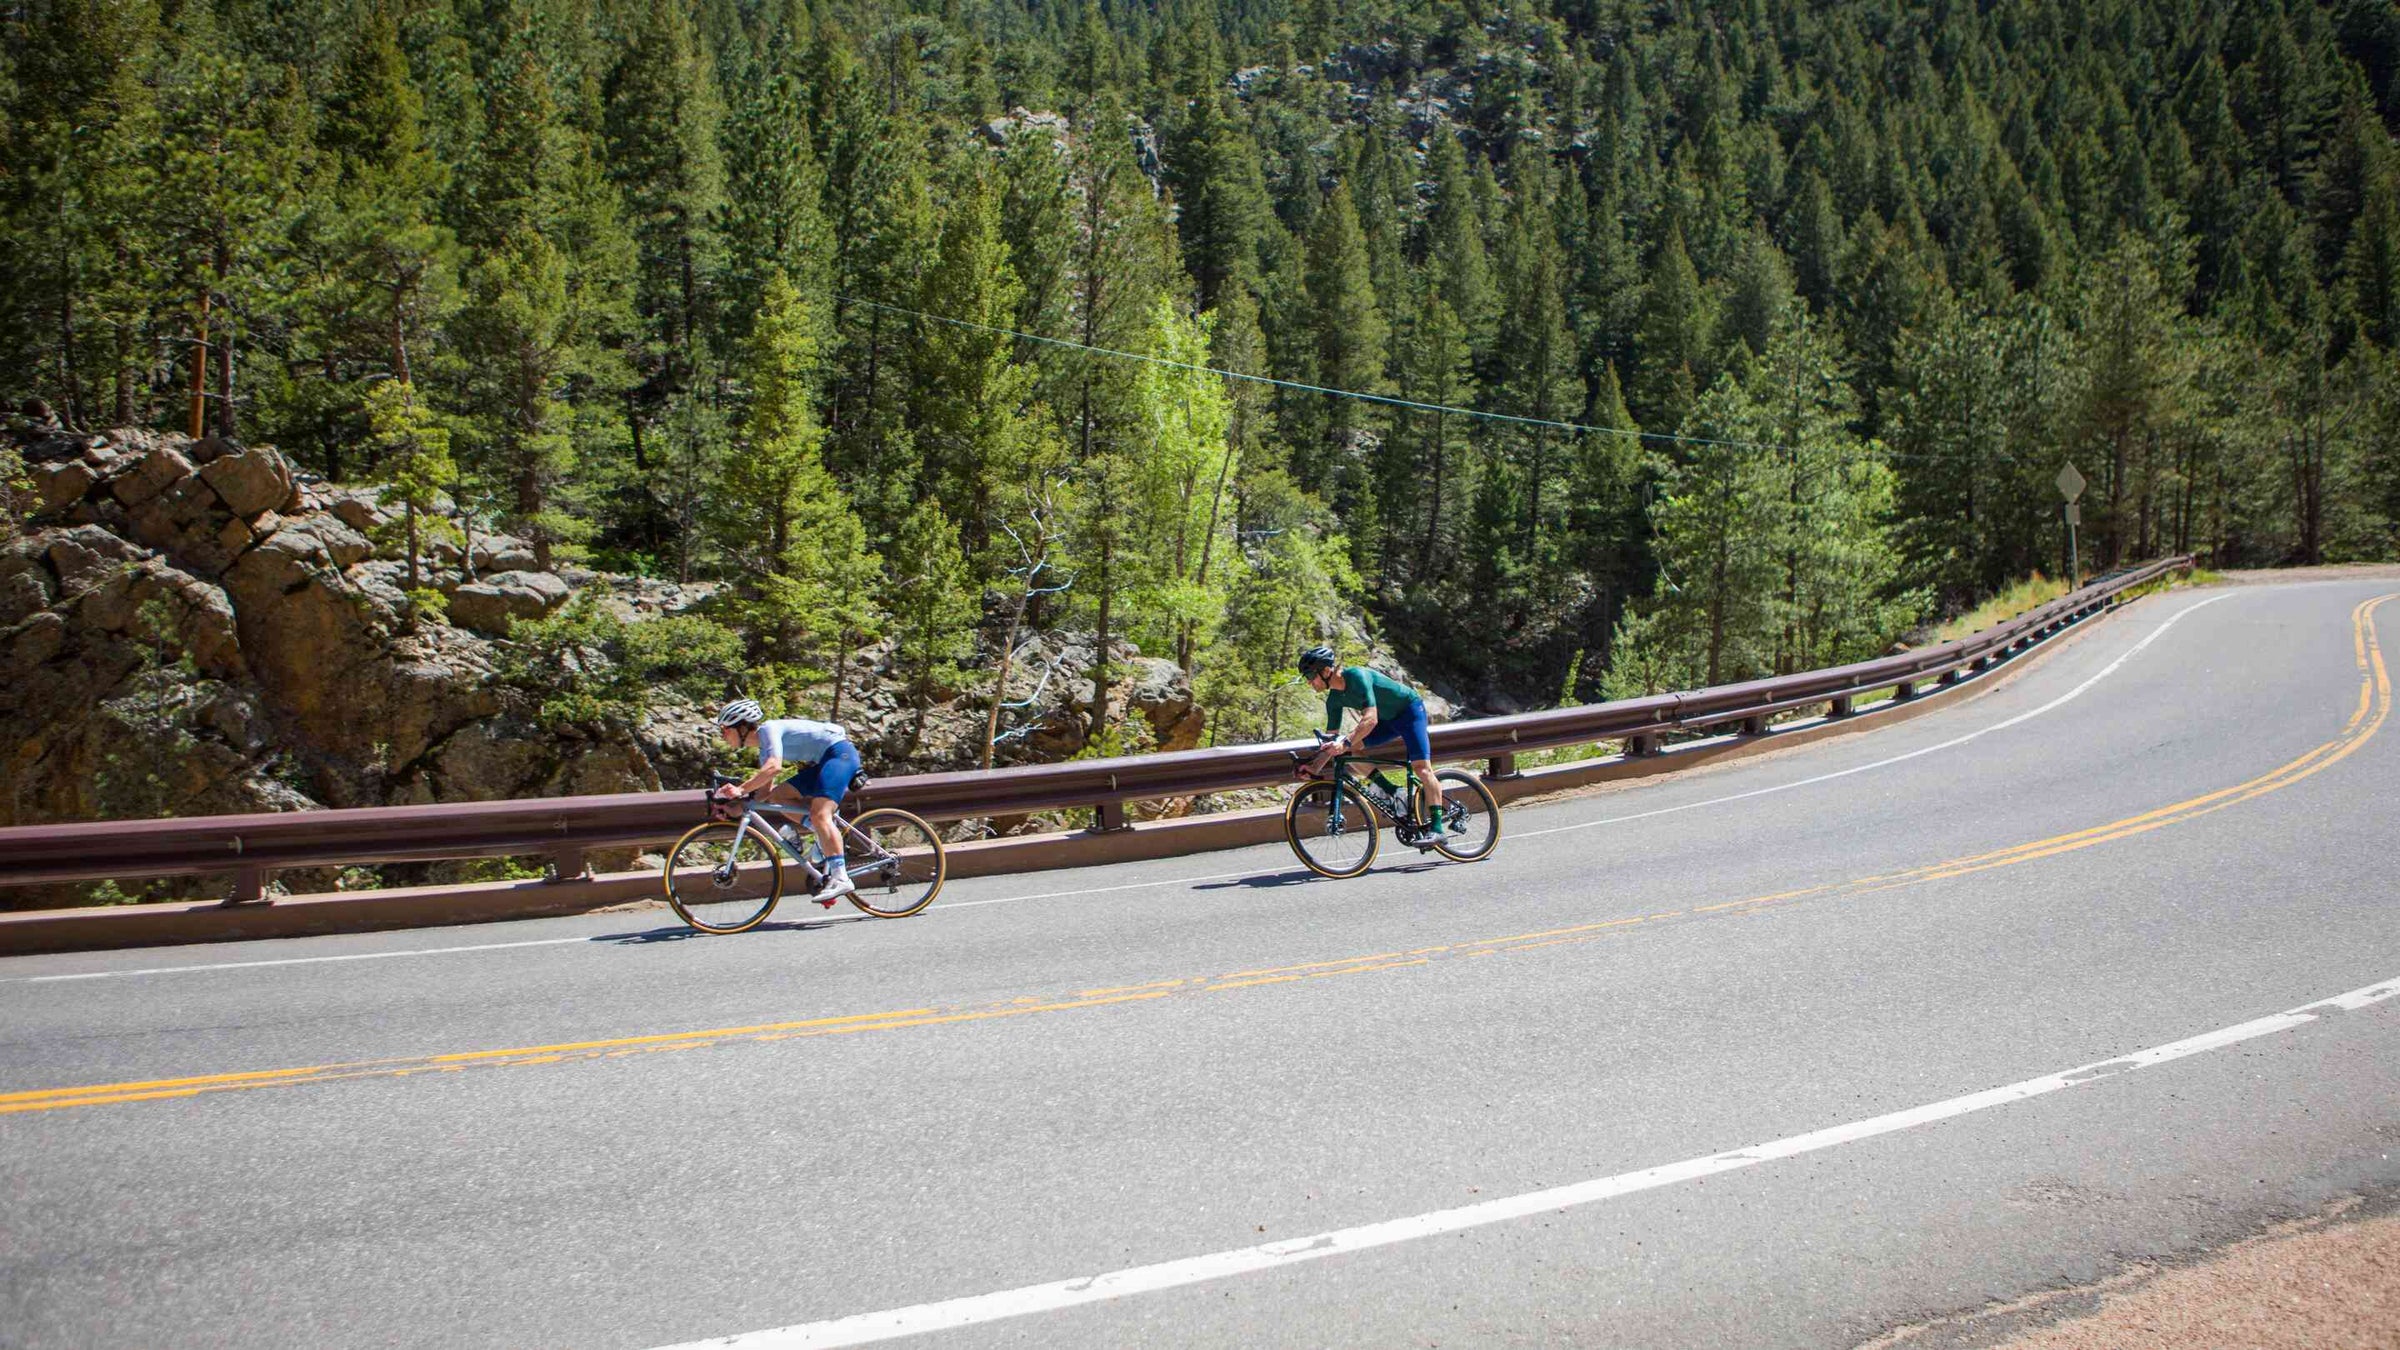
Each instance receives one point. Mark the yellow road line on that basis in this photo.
(2375, 694)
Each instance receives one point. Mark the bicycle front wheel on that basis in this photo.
(1332, 829)
(1470, 817)
(896, 861)
(723, 878)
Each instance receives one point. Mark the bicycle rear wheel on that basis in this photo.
(1332, 843)
(896, 861)
(723, 878)
(1468, 806)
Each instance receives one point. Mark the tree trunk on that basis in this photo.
(1433, 513)
(1097, 718)
(2117, 461)
(1716, 607)
(1008, 656)
(199, 426)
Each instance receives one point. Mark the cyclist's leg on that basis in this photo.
(1410, 729)
(827, 784)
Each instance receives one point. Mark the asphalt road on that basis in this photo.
(1783, 1053)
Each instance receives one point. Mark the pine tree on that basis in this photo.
(773, 220)
(395, 268)
(932, 602)
(967, 399)
(521, 335)
(226, 160)
(1223, 199)
(663, 122)
(414, 462)
(1350, 329)
(1671, 339)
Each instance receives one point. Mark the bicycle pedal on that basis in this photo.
(827, 902)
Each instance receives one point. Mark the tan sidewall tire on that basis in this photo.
(941, 859)
(774, 874)
(1466, 781)
(1291, 828)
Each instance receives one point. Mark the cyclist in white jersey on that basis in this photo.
(821, 763)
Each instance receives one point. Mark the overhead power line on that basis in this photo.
(1577, 428)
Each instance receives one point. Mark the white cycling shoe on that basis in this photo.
(835, 887)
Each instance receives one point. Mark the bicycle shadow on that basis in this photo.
(1268, 882)
(679, 933)
(1302, 876)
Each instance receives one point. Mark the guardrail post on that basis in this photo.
(567, 864)
(1953, 675)
(1641, 746)
(1501, 766)
(1108, 815)
(1839, 706)
(1904, 691)
(1755, 726)
(249, 886)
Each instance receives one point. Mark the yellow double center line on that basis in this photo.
(2374, 708)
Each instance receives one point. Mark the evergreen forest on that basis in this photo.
(1708, 340)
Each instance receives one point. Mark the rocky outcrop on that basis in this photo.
(192, 627)
(489, 606)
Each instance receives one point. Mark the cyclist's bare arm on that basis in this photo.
(755, 783)
(1343, 745)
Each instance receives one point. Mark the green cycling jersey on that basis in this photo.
(1362, 687)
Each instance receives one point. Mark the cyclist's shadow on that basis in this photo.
(679, 933)
(1301, 876)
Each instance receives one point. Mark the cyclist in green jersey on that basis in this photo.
(1387, 711)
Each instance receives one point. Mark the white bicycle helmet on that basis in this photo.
(742, 712)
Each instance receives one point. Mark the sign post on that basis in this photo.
(2070, 486)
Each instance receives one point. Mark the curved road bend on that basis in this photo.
(1783, 1053)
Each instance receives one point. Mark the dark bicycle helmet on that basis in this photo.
(1315, 659)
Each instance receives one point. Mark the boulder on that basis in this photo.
(86, 555)
(150, 475)
(1162, 694)
(250, 480)
(56, 485)
(492, 604)
(358, 509)
(35, 641)
(24, 584)
(187, 522)
(324, 533)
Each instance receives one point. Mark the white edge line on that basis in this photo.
(949, 1314)
(297, 960)
(1182, 881)
(2060, 701)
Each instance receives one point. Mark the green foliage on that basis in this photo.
(582, 666)
(932, 605)
(647, 268)
(412, 446)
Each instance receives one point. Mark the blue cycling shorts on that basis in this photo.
(1408, 728)
(828, 777)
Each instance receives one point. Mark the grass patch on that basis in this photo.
(2031, 593)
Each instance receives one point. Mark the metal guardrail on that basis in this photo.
(564, 828)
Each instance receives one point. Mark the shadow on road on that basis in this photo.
(679, 933)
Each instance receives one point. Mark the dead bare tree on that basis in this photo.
(1035, 575)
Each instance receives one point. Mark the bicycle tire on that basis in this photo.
(1482, 835)
(1305, 821)
(916, 869)
(710, 902)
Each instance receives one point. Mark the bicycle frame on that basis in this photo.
(869, 861)
(1342, 771)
